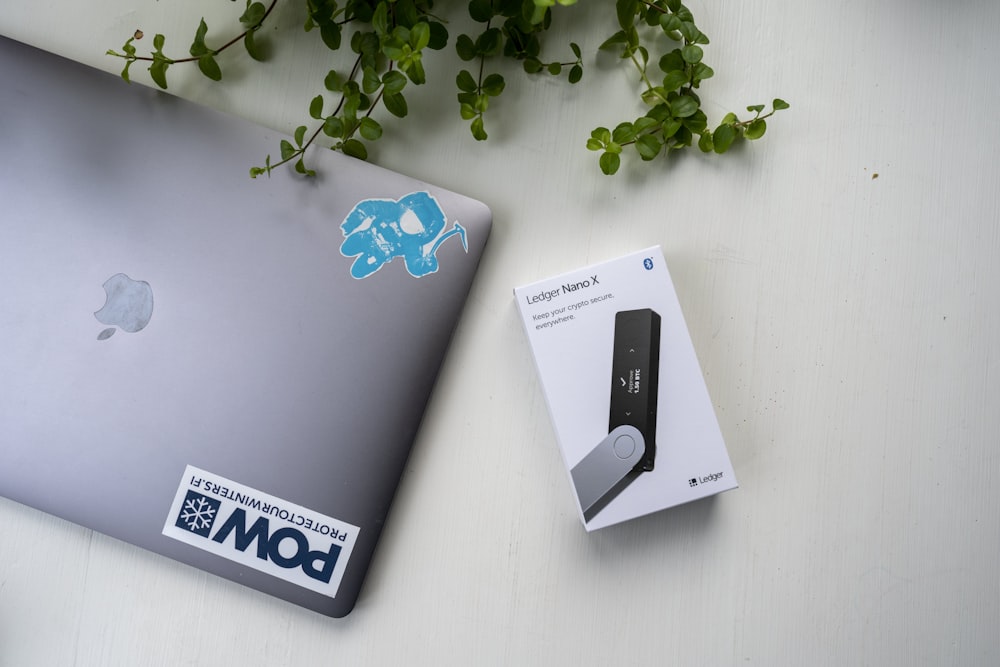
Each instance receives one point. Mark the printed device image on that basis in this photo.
(634, 376)
(630, 447)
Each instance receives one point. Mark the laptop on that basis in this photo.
(225, 371)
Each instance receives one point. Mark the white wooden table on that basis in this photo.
(841, 284)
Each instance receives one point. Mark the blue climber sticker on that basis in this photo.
(378, 230)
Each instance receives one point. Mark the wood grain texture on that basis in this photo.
(848, 327)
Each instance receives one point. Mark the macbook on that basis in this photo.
(225, 371)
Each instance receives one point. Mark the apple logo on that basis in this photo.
(129, 305)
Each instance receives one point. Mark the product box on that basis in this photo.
(624, 389)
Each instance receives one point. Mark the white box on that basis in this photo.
(617, 366)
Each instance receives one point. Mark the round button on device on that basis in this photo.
(624, 446)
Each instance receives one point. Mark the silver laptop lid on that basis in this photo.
(225, 371)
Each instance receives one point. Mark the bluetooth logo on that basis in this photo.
(648, 263)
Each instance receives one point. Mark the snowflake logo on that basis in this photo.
(198, 513)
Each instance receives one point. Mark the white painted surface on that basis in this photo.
(848, 328)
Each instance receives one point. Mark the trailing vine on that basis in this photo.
(389, 37)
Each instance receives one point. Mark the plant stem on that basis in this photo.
(219, 50)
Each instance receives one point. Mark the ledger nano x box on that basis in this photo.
(627, 398)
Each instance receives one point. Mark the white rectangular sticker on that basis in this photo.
(256, 529)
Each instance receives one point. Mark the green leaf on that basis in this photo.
(689, 30)
(420, 36)
(624, 133)
(287, 150)
(405, 13)
(370, 82)
(626, 10)
(482, 103)
(467, 111)
(465, 47)
(555, 68)
(601, 134)
(655, 95)
(158, 71)
(253, 15)
(779, 104)
(380, 19)
(756, 129)
(370, 129)
(198, 47)
(723, 138)
(393, 82)
(416, 69)
(352, 102)
(575, 48)
(757, 108)
(615, 40)
(705, 142)
(128, 63)
(669, 22)
(333, 127)
(670, 128)
(692, 54)
(575, 74)
(696, 122)
(489, 43)
(672, 61)
(300, 135)
(439, 37)
(532, 65)
(610, 162)
(316, 107)
(334, 81)
(594, 145)
(675, 79)
(648, 146)
(330, 34)
(481, 11)
(701, 72)
(250, 44)
(300, 167)
(682, 137)
(493, 85)
(396, 50)
(209, 67)
(158, 41)
(395, 104)
(683, 106)
(644, 123)
(355, 149)
(478, 131)
(465, 81)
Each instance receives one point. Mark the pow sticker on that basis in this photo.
(260, 531)
(413, 227)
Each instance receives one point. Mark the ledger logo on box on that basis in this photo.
(261, 531)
